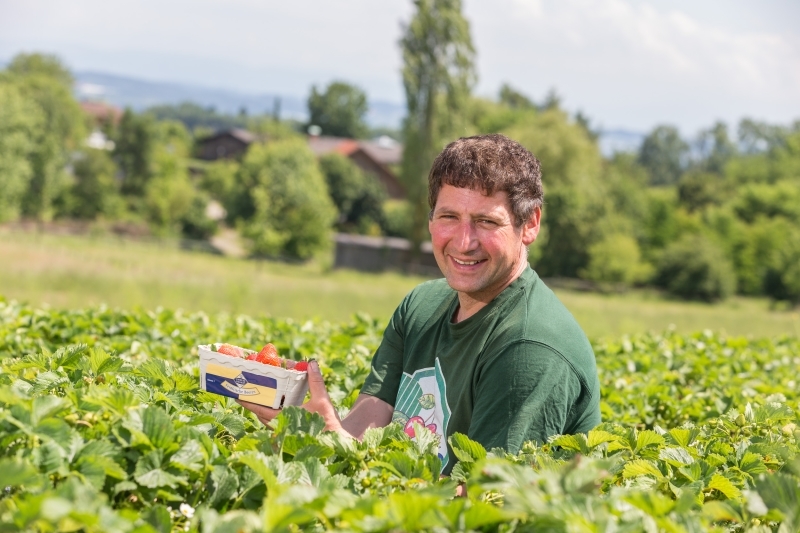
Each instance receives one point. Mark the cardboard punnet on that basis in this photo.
(250, 381)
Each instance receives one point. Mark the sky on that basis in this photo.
(627, 64)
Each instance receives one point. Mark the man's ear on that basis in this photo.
(530, 230)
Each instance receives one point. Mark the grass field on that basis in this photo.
(73, 272)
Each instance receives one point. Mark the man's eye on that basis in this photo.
(487, 222)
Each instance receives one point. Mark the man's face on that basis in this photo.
(475, 242)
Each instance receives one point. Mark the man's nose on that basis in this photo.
(465, 238)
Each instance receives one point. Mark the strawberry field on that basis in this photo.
(103, 428)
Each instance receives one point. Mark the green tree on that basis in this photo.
(515, 99)
(339, 110)
(663, 153)
(292, 212)
(134, 150)
(716, 148)
(168, 193)
(695, 267)
(577, 201)
(95, 191)
(45, 81)
(438, 75)
(616, 260)
(698, 189)
(358, 196)
(20, 125)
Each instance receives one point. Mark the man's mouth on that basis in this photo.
(467, 263)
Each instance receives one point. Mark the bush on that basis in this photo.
(782, 278)
(616, 260)
(358, 196)
(696, 268)
(292, 210)
(397, 218)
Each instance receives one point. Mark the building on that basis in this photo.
(228, 144)
(374, 157)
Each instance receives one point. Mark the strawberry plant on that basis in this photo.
(103, 428)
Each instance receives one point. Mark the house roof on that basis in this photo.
(383, 150)
(101, 110)
(242, 135)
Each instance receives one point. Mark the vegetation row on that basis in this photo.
(103, 428)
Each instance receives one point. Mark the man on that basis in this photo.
(488, 351)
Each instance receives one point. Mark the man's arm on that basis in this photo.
(367, 412)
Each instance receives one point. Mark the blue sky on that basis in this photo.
(626, 63)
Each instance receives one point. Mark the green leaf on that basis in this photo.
(646, 439)
(641, 467)
(466, 449)
(675, 456)
(654, 504)
(15, 472)
(482, 514)
(225, 483)
(149, 473)
(576, 443)
(684, 437)
(724, 485)
(190, 456)
(157, 425)
(427, 401)
(597, 437)
(45, 406)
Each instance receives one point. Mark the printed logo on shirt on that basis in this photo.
(422, 398)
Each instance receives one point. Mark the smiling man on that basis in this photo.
(488, 351)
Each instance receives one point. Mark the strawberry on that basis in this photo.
(227, 349)
(302, 366)
(268, 356)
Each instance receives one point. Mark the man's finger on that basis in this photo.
(265, 414)
(316, 385)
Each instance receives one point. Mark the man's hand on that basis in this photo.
(319, 402)
(367, 412)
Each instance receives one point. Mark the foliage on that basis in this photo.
(357, 196)
(194, 116)
(94, 191)
(282, 186)
(663, 153)
(134, 150)
(695, 267)
(616, 260)
(438, 74)
(20, 124)
(47, 84)
(397, 218)
(339, 110)
(104, 430)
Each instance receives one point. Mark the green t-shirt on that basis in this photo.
(519, 369)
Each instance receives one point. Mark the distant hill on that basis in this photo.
(140, 94)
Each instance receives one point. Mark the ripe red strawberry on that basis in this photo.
(268, 356)
(227, 349)
(302, 366)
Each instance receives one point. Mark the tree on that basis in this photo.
(696, 268)
(515, 99)
(438, 75)
(45, 81)
(339, 110)
(715, 148)
(20, 125)
(358, 197)
(292, 212)
(576, 197)
(663, 153)
(95, 190)
(134, 151)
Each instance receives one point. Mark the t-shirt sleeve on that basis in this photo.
(383, 380)
(524, 392)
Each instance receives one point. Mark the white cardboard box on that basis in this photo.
(250, 381)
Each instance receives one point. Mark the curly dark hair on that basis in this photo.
(490, 163)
